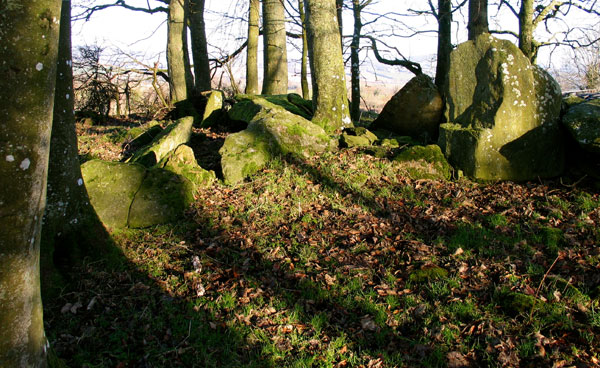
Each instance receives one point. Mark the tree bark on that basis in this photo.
(355, 61)
(180, 81)
(199, 47)
(304, 62)
(275, 79)
(339, 8)
(29, 39)
(478, 18)
(444, 46)
(526, 29)
(328, 77)
(252, 50)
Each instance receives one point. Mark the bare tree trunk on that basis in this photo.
(275, 80)
(179, 67)
(199, 46)
(328, 77)
(526, 29)
(252, 51)
(304, 63)
(444, 41)
(355, 61)
(478, 18)
(29, 39)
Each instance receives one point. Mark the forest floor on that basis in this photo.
(343, 260)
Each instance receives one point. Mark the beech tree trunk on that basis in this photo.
(328, 77)
(275, 79)
(304, 61)
(526, 42)
(29, 39)
(180, 78)
(252, 50)
(444, 46)
(199, 46)
(478, 18)
(339, 8)
(355, 61)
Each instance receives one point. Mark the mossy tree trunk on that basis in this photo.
(252, 50)
(304, 61)
(275, 79)
(70, 222)
(526, 42)
(29, 39)
(444, 46)
(327, 66)
(199, 46)
(180, 78)
(478, 18)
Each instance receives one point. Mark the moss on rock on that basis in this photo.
(503, 114)
(181, 161)
(428, 162)
(428, 274)
(112, 187)
(583, 123)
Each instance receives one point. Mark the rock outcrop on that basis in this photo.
(502, 114)
(414, 111)
(272, 130)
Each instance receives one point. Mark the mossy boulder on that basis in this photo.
(414, 111)
(357, 137)
(213, 110)
(174, 135)
(161, 198)
(583, 123)
(571, 100)
(140, 136)
(502, 113)
(112, 187)
(272, 130)
(129, 195)
(425, 162)
(181, 161)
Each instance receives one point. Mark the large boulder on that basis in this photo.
(502, 113)
(181, 161)
(112, 187)
(161, 198)
(414, 111)
(272, 130)
(583, 123)
(129, 195)
(174, 135)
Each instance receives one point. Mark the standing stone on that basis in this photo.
(502, 114)
(415, 110)
(213, 109)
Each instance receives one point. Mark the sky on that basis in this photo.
(144, 35)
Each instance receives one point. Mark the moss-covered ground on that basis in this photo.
(344, 260)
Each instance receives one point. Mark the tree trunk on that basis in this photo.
(328, 77)
(252, 51)
(355, 61)
(526, 29)
(444, 41)
(179, 66)
(199, 47)
(29, 35)
(478, 18)
(304, 62)
(339, 8)
(275, 80)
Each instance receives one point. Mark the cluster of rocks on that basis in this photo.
(502, 119)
